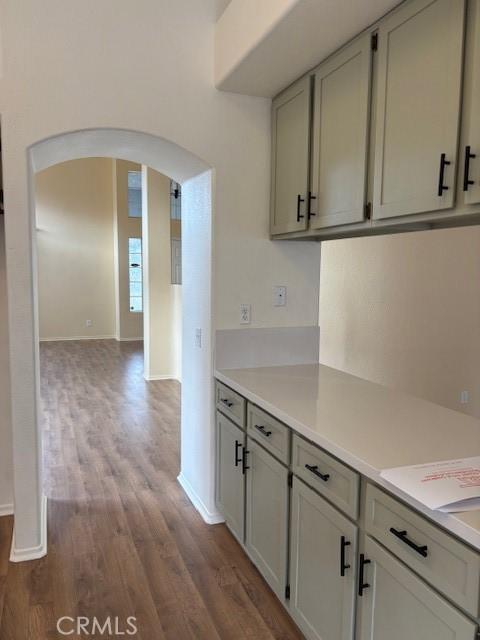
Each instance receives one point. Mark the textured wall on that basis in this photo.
(404, 310)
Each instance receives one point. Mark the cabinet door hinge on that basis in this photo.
(287, 592)
(374, 41)
(368, 210)
(290, 479)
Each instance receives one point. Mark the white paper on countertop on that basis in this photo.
(449, 486)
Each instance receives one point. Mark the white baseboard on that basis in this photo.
(77, 338)
(165, 377)
(128, 339)
(209, 517)
(32, 553)
(6, 509)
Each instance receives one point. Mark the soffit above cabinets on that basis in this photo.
(262, 47)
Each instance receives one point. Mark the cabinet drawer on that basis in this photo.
(269, 432)
(325, 474)
(230, 403)
(444, 562)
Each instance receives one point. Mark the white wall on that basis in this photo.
(128, 325)
(404, 310)
(6, 478)
(162, 304)
(197, 473)
(74, 207)
(43, 92)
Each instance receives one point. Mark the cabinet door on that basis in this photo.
(290, 158)
(230, 479)
(267, 516)
(340, 134)
(418, 105)
(398, 605)
(323, 547)
(470, 154)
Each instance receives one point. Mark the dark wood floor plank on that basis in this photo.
(124, 540)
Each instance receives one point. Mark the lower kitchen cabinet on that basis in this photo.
(322, 568)
(230, 478)
(267, 516)
(397, 605)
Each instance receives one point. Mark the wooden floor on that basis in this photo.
(124, 539)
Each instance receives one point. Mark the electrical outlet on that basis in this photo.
(279, 296)
(245, 313)
(88, 323)
(464, 397)
(198, 338)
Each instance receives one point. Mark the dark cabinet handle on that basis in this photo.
(443, 163)
(238, 445)
(402, 535)
(309, 205)
(228, 403)
(299, 201)
(314, 469)
(361, 584)
(262, 430)
(466, 168)
(244, 460)
(343, 544)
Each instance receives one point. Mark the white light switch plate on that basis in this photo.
(279, 296)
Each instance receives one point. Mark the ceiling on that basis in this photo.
(293, 42)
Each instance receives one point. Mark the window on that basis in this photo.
(135, 275)
(175, 201)
(176, 231)
(134, 194)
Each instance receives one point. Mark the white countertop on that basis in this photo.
(367, 425)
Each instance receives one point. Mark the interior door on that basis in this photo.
(322, 567)
(267, 516)
(418, 104)
(290, 158)
(230, 479)
(398, 605)
(340, 136)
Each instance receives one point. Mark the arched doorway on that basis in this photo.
(197, 451)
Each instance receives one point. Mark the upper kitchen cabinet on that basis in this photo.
(420, 50)
(470, 151)
(340, 136)
(290, 158)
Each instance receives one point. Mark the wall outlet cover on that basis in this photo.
(88, 323)
(245, 313)
(279, 296)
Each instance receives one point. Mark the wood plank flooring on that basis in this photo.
(124, 540)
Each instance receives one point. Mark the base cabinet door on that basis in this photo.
(322, 567)
(418, 107)
(397, 605)
(267, 516)
(230, 478)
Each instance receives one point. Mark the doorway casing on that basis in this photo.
(197, 424)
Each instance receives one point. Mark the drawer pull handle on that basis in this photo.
(262, 430)
(244, 460)
(443, 163)
(228, 403)
(402, 535)
(343, 544)
(361, 584)
(238, 445)
(313, 468)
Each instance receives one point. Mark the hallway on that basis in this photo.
(123, 538)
